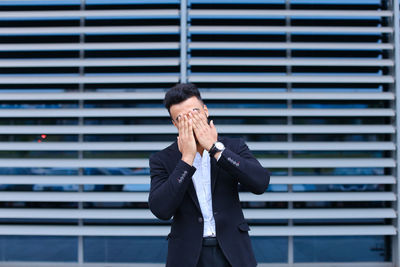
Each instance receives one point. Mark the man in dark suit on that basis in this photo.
(195, 181)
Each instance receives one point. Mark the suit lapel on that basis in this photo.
(193, 195)
(214, 173)
(214, 169)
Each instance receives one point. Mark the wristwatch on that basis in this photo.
(216, 147)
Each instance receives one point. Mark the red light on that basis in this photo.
(43, 136)
(39, 141)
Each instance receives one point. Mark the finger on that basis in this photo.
(204, 120)
(190, 128)
(199, 122)
(184, 130)
(180, 125)
(193, 120)
(186, 126)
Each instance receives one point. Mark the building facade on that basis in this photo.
(310, 84)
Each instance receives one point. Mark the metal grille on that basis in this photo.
(310, 85)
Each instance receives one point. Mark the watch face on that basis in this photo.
(219, 145)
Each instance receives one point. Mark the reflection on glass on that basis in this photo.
(125, 249)
(270, 249)
(39, 248)
(341, 249)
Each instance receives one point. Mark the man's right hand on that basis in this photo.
(186, 142)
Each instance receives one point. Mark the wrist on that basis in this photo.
(188, 159)
(217, 147)
(210, 146)
(217, 155)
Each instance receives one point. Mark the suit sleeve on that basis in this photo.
(245, 167)
(167, 191)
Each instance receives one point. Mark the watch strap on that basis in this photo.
(213, 150)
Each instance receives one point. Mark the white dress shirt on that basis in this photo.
(202, 184)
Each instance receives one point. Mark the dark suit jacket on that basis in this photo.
(172, 194)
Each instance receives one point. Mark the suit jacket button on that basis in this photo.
(200, 220)
(215, 212)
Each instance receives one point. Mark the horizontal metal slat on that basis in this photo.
(223, 78)
(273, 146)
(75, 180)
(145, 179)
(99, 146)
(52, 230)
(143, 196)
(64, 79)
(328, 3)
(322, 230)
(297, 95)
(240, 61)
(293, 45)
(62, 14)
(58, 264)
(246, 13)
(193, 45)
(90, 62)
(320, 196)
(143, 163)
(142, 214)
(92, 30)
(318, 213)
(228, 95)
(169, 129)
(90, 46)
(74, 163)
(337, 179)
(89, 3)
(74, 196)
(155, 146)
(161, 112)
(284, 29)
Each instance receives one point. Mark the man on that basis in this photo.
(195, 181)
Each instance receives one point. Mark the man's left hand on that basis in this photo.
(206, 134)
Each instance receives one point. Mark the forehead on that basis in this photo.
(185, 106)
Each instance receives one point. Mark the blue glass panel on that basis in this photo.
(154, 249)
(39, 2)
(341, 249)
(125, 249)
(115, 2)
(39, 248)
(270, 249)
(337, 2)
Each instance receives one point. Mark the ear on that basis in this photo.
(205, 110)
(173, 122)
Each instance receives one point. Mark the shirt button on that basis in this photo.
(200, 220)
(215, 212)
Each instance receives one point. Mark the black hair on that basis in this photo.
(179, 93)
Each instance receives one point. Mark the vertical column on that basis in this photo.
(183, 41)
(81, 122)
(396, 74)
(289, 135)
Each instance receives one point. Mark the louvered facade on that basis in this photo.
(310, 84)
